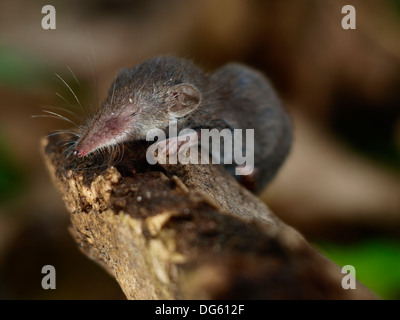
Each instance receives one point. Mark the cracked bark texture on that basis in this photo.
(186, 232)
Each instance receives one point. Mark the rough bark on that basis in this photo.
(187, 232)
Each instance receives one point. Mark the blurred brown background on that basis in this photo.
(341, 184)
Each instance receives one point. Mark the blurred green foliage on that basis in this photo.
(395, 4)
(20, 69)
(29, 73)
(377, 263)
(12, 177)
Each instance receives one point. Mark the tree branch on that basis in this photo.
(187, 232)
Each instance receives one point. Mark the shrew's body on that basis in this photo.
(162, 89)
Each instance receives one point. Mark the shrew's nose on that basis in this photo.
(78, 153)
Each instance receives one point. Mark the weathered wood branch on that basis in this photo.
(187, 232)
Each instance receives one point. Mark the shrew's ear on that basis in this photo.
(185, 99)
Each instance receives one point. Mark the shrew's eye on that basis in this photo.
(133, 113)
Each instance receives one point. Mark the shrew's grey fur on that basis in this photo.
(166, 88)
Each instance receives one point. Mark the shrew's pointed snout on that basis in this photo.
(103, 132)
